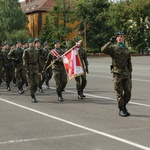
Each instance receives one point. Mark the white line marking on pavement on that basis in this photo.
(80, 126)
(45, 138)
(141, 80)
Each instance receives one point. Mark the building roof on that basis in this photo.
(29, 6)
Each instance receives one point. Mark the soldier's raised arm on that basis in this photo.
(107, 48)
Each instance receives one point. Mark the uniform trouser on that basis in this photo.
(60, 78)
(20, 77)
(1, 74)
(8, 71)
(33, 82)
(123, 87)
(41, 77)
(48, 75)
(14, 75)
(81, 82)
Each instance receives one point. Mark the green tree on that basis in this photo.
(46, 32)
(132, 17)
(21, 35)
(59, 18)
(92, 15)
(11, 17)
(139, 30)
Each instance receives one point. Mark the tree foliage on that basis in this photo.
(46, 32)
(58, 22)
(134, 19)
(11, 17)
(21, 35)
(92, 15)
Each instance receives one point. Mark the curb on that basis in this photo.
(105, 55)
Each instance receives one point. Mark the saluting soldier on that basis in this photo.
(58, 69)
(81, 81)
(16, 56)
(122, 70)
(48, 72)
(31, 64)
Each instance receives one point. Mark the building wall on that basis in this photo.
(32, 25)
(37, 19)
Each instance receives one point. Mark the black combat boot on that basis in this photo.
(80, 96)
(20, 90)
(40, 89)
(122, 112)
(8, 87)
(60, 98)
(126, 110)
(33, 98)
(47, 85)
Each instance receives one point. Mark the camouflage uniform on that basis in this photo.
(8, 67)
(1, 66)
(25, 46)
(16, 56)
(58, 71)
(42, 60)
(48, 72)
(121, 68)
(31, 64)
(81, 81)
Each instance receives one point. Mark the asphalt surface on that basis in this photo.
(89, 124)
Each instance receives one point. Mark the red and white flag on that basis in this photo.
(73, 63)
(55, 53)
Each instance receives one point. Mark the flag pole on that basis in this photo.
(61, 56)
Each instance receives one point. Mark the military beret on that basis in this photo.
(36, 40)
(12, 44)
(24, 42)
(30, 40)
(120, 33)
(56, 41)
(77, 39)
(17, 42)
(45, 43)
(5, 43)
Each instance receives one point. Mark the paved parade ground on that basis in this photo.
(89, 124)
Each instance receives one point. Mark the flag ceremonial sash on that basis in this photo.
(55, 53)
(73, 63)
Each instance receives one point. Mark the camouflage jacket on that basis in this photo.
(121, 59)
(83, 56)
(46, 51)
(16, 55)
(42, 57)
(1, 58)
(31, 59)
(7, 62)
(57, 64)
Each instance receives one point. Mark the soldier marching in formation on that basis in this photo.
(40, 64)
(48, 72)
(81, 81)
(16, 56)
(7, 65)
(26, 63)
(58, 68)
(31, 64)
